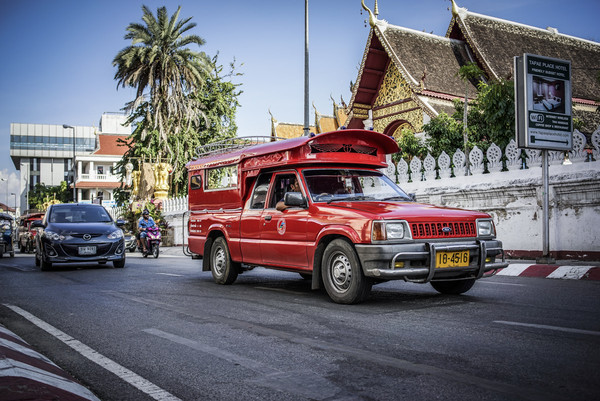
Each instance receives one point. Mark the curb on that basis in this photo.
(27, 375)
(552, 271)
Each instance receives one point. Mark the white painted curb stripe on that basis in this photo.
(546, 327)
(12, 368)
(125, 374)
(514, 269)
(570, 272)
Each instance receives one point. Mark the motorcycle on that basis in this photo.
(153, 239)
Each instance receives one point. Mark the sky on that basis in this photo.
(56, 55)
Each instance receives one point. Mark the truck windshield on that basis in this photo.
(333, 185)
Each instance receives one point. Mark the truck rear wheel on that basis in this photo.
(343, 277)
(224, 271)
(453, 287)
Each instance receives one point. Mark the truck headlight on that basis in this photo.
(485, 228)
(390, 230)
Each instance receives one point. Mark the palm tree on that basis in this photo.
(164, 70)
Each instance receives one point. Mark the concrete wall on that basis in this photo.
(515, 200)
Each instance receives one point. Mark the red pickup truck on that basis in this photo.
(321, 207)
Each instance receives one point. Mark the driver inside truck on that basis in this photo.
(293, 187)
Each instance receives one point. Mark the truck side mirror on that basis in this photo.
(294, 199)
(413, 197)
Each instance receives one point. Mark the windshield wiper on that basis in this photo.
(396, 198)
(349, 198)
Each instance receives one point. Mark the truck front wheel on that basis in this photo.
(224, 271)
(343, 277)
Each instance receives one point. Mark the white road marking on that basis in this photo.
(171, 274)
(125, 374)
(555, 328)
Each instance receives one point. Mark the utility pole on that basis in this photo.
(306, 86)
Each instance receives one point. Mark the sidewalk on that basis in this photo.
(566, 270)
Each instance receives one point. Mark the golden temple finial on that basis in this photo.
(454, 8)
(376, 9)
(372, 17)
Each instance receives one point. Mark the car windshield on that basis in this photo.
(345, 185)
(79, 214)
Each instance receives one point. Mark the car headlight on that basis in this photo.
(485, 228)
(116, 234)
(389, 231)
(51, 235)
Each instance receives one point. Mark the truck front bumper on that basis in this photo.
(416, 262)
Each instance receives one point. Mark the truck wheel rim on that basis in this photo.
(219, 261)
(341, 272)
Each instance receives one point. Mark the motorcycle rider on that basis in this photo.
(145, 222)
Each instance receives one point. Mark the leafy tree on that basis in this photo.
(493, 113)
(444, 134)
(410, 146)
(158, 60)
(42, 194)
(219, 98)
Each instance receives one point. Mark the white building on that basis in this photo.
(44, 153)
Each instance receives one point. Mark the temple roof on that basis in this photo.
(495, 42)
(437, 63)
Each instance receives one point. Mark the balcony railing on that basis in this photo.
(98, 177)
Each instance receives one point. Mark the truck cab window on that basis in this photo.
(260, 191)
(283, 183)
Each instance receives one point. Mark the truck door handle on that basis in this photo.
(268, 218)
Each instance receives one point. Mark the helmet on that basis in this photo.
(145, 212)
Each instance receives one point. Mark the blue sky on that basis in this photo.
(57, 55)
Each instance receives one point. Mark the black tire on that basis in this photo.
(224, 271)
(45, 266)
(119, 264)
(37, 260)
(453, 287)
(342, 274)
(21, 248)
(155, 251)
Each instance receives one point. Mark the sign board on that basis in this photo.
(543, 103)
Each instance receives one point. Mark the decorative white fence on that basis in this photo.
(445, 168)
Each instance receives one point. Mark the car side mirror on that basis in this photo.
(120, 222)
(37, 224)
(294, 199)
(413, 197)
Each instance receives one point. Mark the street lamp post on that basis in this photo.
(65, 126)
(15, 203)
(6, 179)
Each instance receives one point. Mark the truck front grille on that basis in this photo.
(443, 230)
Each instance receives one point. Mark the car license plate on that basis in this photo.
(452, 259)
(87, 250)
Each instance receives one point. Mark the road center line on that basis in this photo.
(555, 328)
(122, 372)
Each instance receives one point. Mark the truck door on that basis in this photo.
(283, 233)
(251, 223)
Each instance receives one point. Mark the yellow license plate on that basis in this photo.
(452, 259)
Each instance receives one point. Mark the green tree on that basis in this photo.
(444, 133)
(493, 113)
(410, 146)
(161, 67)
(219, 98)
(41, 194)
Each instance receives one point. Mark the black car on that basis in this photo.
(75, 232)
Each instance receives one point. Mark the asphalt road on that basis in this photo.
(161, 329)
